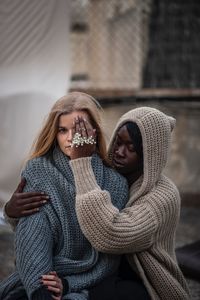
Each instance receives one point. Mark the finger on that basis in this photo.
(21, 186)
(26, 213)
(74, 128)
(89, 128)
(77, 127)
(25, 199)
(50, 277)
(31, 195)
(84, 132)
(54, 289)
(30, 208)
(53, 273)
(29, 204)
(51, 283)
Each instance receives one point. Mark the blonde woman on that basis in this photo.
(51, 240)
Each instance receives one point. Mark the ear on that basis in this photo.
(172, 122)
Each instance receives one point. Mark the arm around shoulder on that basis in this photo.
(108, 229)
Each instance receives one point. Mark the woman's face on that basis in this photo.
(125, 159)
(65, 125)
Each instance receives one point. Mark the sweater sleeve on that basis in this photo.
(108, 229)
(34, 249)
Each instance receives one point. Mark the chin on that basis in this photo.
(119, 169)
(67, 153)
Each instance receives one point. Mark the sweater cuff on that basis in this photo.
(85, 180)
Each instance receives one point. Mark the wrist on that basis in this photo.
(7, 210)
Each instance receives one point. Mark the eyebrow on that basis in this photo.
(62, 127)
(130, 142)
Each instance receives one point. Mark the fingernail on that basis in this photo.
(44, 201)
(46, 197)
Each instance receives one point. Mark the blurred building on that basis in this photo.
(120, 47)
(144, 53)
(109, 42)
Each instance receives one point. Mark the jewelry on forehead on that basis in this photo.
(78, 140)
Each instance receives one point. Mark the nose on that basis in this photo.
(120, 151)
(69, 136)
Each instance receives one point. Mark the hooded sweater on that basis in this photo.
(52, 239)
(145, 229)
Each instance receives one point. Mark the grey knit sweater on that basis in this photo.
(52, 239)
(145, 229)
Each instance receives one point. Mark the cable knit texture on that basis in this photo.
(145, 229)
(52, 239)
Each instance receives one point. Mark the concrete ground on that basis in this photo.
(188, 231)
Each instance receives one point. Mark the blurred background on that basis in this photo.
(125, 53)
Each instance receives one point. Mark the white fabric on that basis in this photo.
(34, 73)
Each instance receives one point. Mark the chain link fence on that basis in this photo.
(108, 43)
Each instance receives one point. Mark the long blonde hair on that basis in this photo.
(74, 101)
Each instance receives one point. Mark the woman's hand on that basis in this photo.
(53, 284)
(24, 204)
(86, 135)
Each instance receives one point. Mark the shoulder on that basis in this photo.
(34, 172)
(164, 199)
(168, 188)
(114, 175)
(34, 164)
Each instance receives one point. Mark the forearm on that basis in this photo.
(108, 229)
(84, 177)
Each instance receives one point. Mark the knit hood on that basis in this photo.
(155, 128)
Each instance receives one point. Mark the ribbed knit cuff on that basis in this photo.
(83, 174)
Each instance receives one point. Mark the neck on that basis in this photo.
(132, 177)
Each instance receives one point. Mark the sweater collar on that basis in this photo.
(61, 162)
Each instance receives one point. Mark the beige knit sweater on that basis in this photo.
(145, 229)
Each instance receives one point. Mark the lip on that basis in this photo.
(117, 163)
